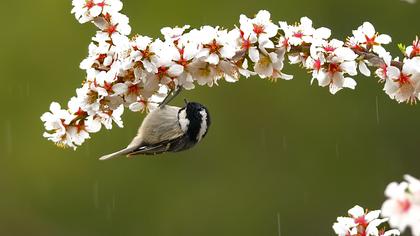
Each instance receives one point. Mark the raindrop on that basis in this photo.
(278, 224)
(284, 143)
(113, 201)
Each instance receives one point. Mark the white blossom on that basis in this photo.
(261, 27)
(366, 37)
(362, 222)
(87, 10)
(123, 72)
(403, 85)
(214, 45)
(403, 206)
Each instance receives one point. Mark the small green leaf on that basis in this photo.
(402, 47)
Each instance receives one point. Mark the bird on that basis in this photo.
(168, 129)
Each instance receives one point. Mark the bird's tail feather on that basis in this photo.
(116, 154)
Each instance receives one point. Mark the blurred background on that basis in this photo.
(278, 155)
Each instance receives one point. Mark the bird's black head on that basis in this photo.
(194, 119)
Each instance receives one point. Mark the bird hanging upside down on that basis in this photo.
(168, 129)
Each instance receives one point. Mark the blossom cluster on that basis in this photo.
(403, 205)
(361, 222)
(138, 72)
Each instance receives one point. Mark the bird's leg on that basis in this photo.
(171, 95)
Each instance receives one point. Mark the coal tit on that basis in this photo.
(168, 129)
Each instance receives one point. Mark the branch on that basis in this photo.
(136, 73)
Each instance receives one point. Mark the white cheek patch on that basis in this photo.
(183, 121)
(203, 127)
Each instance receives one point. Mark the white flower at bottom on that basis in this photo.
(362, 223)
(343, 226)
(414, 187)
(399, 207)
(415, 229)
(372, 228)
(392, 232)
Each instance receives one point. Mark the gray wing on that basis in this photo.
(159, 129)
(175, 145)
(158, 126)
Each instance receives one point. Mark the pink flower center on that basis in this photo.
(317, 65)
(384, 68)
(404, 79)
(108, 87)
(146, 53)
(333, 68)
(416, 48)
(183, 62)
(181, 51)
(405, 205)
(213, 46)
(101, 58)
(89, 4)
(370, 41)
(162, 71)
(107, 17)
(246, 44)
(80, 112)
(298, 35)
(329, 48)
(101, 4)
(361, 221)
(285, 42)
(258, 29)
(80, 126)
(357, 47)
(111, 29)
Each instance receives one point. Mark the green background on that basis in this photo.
(283, 150)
